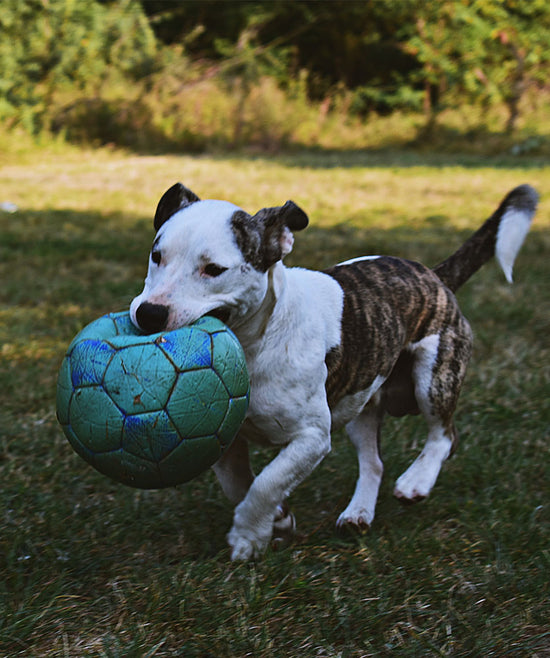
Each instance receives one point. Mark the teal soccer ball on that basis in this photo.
(152, 411)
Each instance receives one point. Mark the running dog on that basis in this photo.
(324, 349)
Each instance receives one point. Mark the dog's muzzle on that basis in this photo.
(152, 318)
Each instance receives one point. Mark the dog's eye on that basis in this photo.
(213, 270)
(156, 257)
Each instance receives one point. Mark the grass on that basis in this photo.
(91, 568)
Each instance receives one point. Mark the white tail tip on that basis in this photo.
(514, 226)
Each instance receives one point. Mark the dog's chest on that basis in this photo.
(281, 408)
(286, 362)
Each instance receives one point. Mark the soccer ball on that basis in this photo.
(152, 411)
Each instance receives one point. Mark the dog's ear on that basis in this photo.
(293, 216)
(174, 199)
(277, 224)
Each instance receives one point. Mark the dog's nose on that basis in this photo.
(152, 317)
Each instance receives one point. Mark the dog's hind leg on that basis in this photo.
(364, 432)
(438, 372)
(418, 480)
(233, 470)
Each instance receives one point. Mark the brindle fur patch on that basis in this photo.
(248, 237)
(260, 236)
(389, 304)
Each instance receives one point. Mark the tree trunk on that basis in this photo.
(517, 88)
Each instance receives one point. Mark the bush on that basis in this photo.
(75, 48)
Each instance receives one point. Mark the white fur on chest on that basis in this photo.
(287, 363)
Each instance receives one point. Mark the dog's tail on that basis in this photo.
(501, 235)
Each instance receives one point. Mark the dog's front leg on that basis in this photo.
(255, 515)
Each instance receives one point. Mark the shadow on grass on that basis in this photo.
(99, 260)
(406, 158)
(68, 257)
(97, 122)
(65, 256)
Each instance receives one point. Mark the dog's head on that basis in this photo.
(210, 258)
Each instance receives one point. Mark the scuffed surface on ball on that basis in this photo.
(152, 411)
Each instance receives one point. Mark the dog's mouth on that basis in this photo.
(220, 313)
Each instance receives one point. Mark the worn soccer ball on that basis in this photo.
(152, 411)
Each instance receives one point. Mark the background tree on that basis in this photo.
(55, 47)
(480, 51)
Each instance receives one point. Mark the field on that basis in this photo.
(91, 568)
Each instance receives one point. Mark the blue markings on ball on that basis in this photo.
(192, 348)
(151, 436)
(89, 359)
(123, 323)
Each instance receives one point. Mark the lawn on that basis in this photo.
(91, 568)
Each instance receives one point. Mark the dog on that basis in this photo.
(324, 349)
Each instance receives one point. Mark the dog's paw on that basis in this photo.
(246, 546)
(418, 480)
(354, 520)
(413, 487)
(409, 498)
(242, 549)
(248, 540)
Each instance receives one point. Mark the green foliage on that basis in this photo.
(393, 55)
(48, 49)
(158, 75)
(482, 51)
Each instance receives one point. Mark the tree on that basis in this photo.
(336, 42)
(482, 51)
(51, 47)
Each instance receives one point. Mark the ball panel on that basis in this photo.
(151, 436)
(131, 340)
(64, 391)
(228, 361)
(232, 421)
(95, 419)
(209, 324)
(129, 469)
(110, 327)
(188, 350)
(124, 325)
(99, 329)
(191, 458)
(198, 403)
(140, 378)
(80, 449)
(89, 360)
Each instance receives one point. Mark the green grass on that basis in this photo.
(91, 568)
